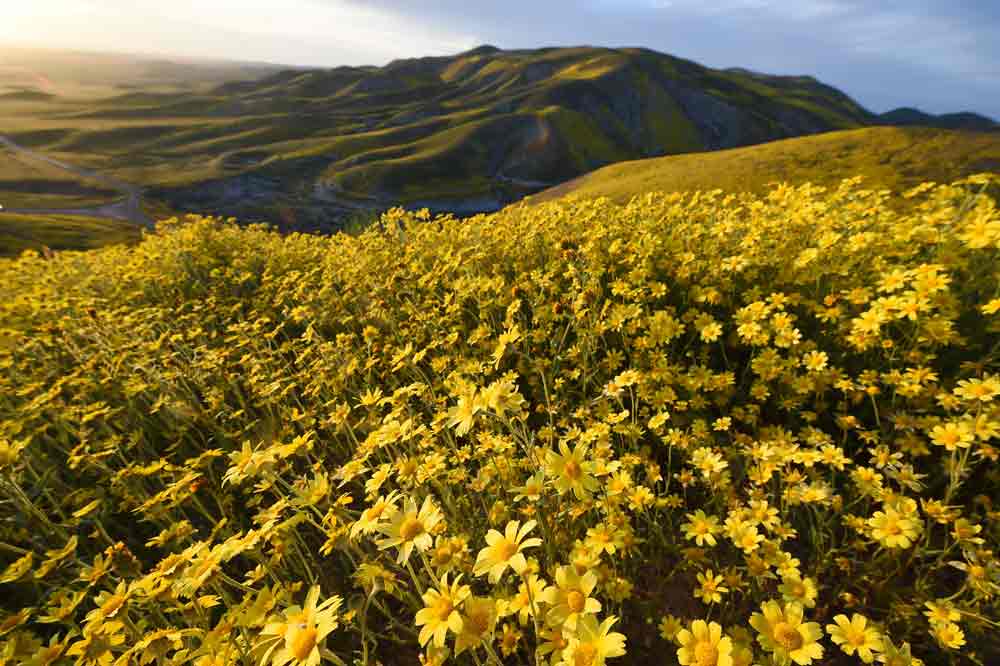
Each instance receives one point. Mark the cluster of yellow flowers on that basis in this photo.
(765, 425)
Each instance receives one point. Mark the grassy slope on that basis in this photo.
(65, 232)
(28, 183)
(887, 157)
(407, 131)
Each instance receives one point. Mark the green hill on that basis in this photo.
(472, 131)
(61, 232)
(885, 157)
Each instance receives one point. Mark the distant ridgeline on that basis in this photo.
(476, 131)
(465, 133)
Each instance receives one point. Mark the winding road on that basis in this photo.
(129, 208)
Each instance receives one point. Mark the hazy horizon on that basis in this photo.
(917, 54)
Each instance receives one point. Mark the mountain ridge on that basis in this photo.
(470, 132)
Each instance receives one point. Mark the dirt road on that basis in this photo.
(129, 208)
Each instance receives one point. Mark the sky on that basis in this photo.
(937, 55)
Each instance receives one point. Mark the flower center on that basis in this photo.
(576, 601)
(478, 622)
(374, 512)
(411, 528)
(442, 555)
(787, 637)
(302, 643)
(506, 550)
(111, 606)
(705, 654)
(855, 638)
(572, 469)
(585, 655)
(892, 528)
(443, 608)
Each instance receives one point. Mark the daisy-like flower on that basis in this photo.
(410, 528)
(97, 645)
(479, 617)
(855, 635)
(155, 646)
(704, 645)
(670, 626)
(463, 415)
(592, 644)
(952, 435)
(941, 612)
(440, 612)
(46, 655)
(747, 539)
(893, 529)
(504, 550)
(710, 589)
(532, 589)
(571, 471)
(605, 539)
(983, 390)
(532, 488)
(373, 516)
(509, 639)
(570, 598)
(782, 632)
(297, 637)
(108, 604)
(702, 528)
(949, 635)
(802, 590)
(552, 642)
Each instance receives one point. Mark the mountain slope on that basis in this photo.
(467, 132)
(906, 116)
(885, 157)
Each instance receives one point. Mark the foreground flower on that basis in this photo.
(571, 471)
(479, 617)
(410, 528)
(892, 529)
(96, 646)
(704, 645)
(570, 597)
(440, 613)
(949, 635)
(592, 644)
(702, 528)
(525, 604)
(504, 550)
(298, 636)
(802, 590)
(373, 516)
(855, 635)
(710, 589)
(782, 632)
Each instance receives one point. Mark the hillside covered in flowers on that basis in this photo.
(704, 429)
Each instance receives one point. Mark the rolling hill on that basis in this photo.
(61, 232)
(885, 157)
(467, 133)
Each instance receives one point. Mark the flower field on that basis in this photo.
(703, 429)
